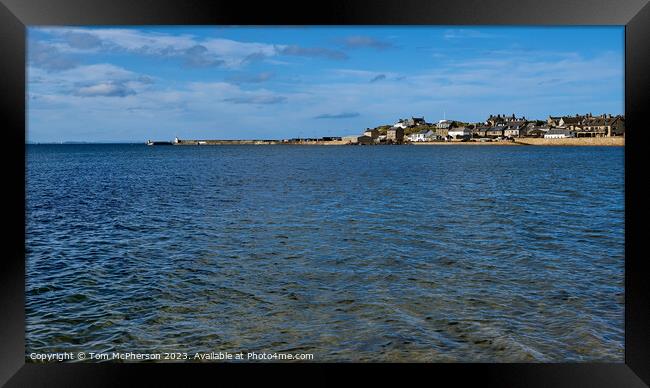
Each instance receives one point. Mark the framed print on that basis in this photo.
(424, 187)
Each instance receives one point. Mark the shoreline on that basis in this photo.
(589, 142)
(583, 142)
(617, 141)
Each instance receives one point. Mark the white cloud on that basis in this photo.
(102, 79)
(105, 89)
(190, 49)
(465, 33)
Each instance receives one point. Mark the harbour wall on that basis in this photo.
(255, 142)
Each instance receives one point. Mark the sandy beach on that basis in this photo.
(584, 141)
(618, 141)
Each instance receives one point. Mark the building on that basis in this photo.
(515, 129)
(589, 125)
(365, 140)
(537, 131)
(559, 133)
(431, 135)
(416, 121)
(395, 135)
(514, 119)
(566, 121)
(373, 133)
(481, 130)
(410, 123)
(601, 126)
(495, 120)
(512, 132)
(442, 132)
(419, 136)
(553, 121)
(400, 124)
(503, 120)
(571, 122)
(355, 139)
(444, 124)
(460, 133)
(618, 126)
(423, 135)
(495, 131)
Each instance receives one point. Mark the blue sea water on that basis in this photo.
(387, 253)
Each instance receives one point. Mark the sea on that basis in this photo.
(348, 253)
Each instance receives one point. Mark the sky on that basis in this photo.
(103, 84)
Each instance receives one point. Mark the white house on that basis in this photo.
(460, 133)
(423, 135)
(559, 133)
(430, 135)
(444, 124)
(401, 124)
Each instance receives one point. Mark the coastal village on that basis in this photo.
(501, 128)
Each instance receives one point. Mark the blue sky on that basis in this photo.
(134, 84)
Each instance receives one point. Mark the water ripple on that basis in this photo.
(443, 254)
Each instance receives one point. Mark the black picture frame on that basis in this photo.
(15, 15)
